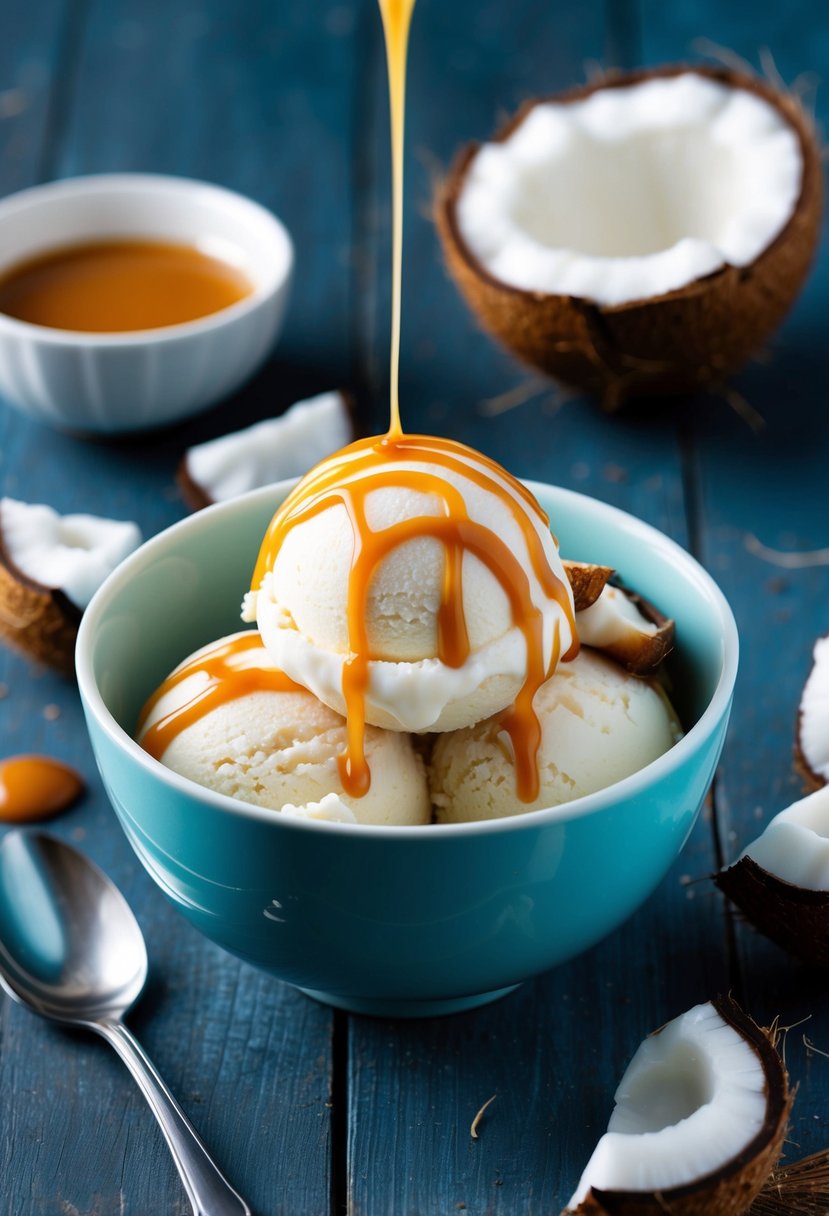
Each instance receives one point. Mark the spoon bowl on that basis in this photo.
(70, 946)
(71, 950)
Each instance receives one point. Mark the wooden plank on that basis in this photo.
(770, 485)
(228, 96)
(553, 1051)
(34, 37)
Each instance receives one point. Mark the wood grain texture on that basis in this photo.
(33, 56)
(769, 484)
(311, 1112)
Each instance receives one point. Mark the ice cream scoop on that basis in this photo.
(227, 719)
(413, 583)
(598, 725)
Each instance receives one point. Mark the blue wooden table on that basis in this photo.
(311, 1111)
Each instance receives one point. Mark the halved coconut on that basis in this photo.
(641, 234)
(586, 581)
(699, 1121)
(50, 567)
(781, 880)
(812, 745)
(269, 451)
(628, 628)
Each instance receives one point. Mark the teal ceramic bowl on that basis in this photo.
(395, 921)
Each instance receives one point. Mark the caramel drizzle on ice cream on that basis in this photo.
(347, 479)
(350, 476)
(226, 677)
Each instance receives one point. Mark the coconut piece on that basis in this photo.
(812, 744)
(268, 451)
(781, 880)
(627, 627)
(50, 567)
(699, 1121)
(617, 236)
(586, 581)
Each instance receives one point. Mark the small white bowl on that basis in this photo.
(110, 382)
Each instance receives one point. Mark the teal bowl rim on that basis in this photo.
(627, 788)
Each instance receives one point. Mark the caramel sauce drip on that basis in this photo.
(226, 681)
(368, 465)
(36, 787)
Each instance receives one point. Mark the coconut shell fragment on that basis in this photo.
(781, 880)
(795, 918)
(36, 620)
(50, 567)
(731, 1187)
(269, 451)
(628, 628)
(586, 581)
(683, 339)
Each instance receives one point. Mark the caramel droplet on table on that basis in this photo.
(36, 787)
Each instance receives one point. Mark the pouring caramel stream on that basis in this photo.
(371, 464)
(397, 18)
(425, 465)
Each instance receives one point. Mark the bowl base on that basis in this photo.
(381, 1008)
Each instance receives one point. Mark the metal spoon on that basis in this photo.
(71, 950)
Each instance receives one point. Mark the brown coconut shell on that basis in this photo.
(811, 780)
(642, 653)
(194, 494)
(672, 343)
(586, 581)
(40, 621)
(731, 1189)
(794, 917)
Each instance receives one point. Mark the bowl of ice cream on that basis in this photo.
(394, 915)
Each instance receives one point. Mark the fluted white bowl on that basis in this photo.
(111, 382)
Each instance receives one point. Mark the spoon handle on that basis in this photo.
(208, 1190)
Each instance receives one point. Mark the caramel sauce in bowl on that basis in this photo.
(120, 286)
(149, 368)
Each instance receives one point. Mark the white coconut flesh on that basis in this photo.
(633, 191)
(795, 844)
(692, 1098)
(614, 617)
(269, 451)
(813, 728)
(68, 553)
